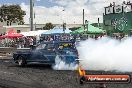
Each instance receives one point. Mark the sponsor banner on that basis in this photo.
(127, 8)
(109, 10)
(118, 9)
(107, 78)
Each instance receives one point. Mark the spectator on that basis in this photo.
(31, 43)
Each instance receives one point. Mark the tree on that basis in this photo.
(74, 28)
(48, 26)
(12, 14)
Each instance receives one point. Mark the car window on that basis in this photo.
(41, 46)
(50, 46)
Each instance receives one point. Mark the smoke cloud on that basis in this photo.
(106, 54)
(61, 65)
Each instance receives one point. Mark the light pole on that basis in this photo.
(83, 19)
(31, 15)
(98, 23)
(64, 23)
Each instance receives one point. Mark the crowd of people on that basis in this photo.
(30, 42)
(23, 42)
(59, 37)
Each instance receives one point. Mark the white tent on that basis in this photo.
(33, 33)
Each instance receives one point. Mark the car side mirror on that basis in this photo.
(33, 47)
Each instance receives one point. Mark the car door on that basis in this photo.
(48, 54)
(37, 55)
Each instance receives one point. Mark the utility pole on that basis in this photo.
(31, 15)
(98, 23)
(83, 17)
(64, 27)
(86, 23)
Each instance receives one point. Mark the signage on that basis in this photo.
(109, 10)
(127, 8)
(118, 9)
(107, 78)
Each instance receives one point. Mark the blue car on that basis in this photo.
(47, 52)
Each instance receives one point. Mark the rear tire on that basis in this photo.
(21, 61)
(82, 80)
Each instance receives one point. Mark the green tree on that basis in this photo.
(74, 28)
(12, 14)
(48, 26)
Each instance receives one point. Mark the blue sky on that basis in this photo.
(46, 3)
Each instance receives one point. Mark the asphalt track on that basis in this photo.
(43, 76)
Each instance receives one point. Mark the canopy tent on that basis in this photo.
(34, 33)
(2, 37)
(89, 29)
(78, 31)
(57, 31)
(12, 34)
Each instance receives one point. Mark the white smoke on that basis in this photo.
(61, 65)
(106, 54)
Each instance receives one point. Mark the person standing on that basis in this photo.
(31, 43)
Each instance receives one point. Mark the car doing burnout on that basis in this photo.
(47, 53)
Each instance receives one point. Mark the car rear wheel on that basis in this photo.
(21, 61)
(82, 80)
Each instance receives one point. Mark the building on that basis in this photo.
(26, 27)
(17, 28)
(118, 17)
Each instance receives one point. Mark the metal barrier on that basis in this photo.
(6, 52)
(7, 49)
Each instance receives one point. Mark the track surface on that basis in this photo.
(41, 76)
